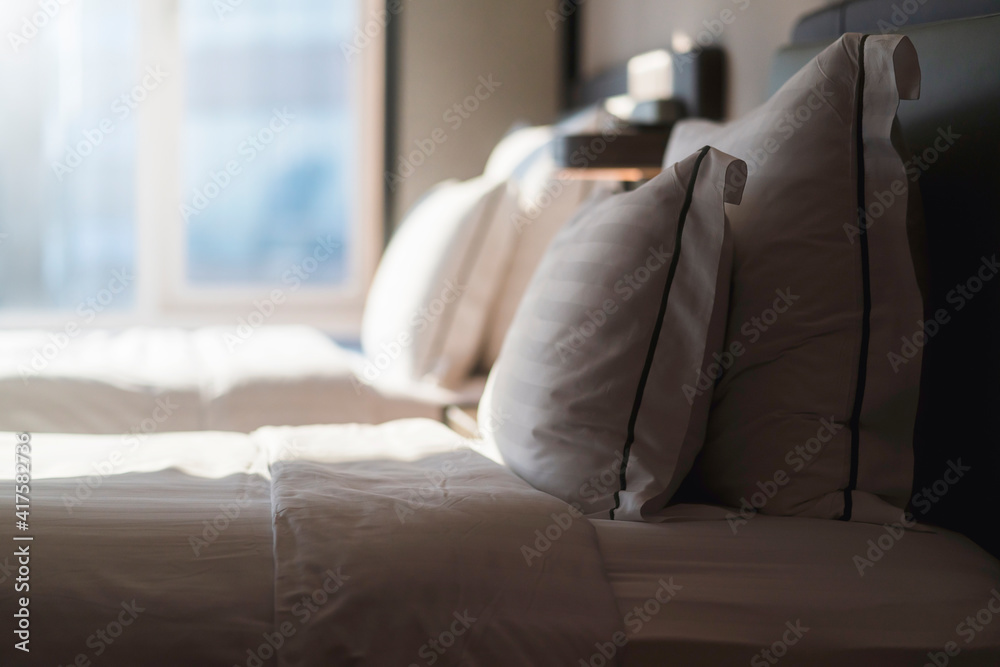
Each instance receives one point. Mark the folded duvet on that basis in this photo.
(339, 545)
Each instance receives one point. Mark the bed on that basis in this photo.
(366, 543)
(144, 380)
(207, 544)
(404, 544)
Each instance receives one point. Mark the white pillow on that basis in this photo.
(811, 417)
(539, 205)
(516, 147)
(428, 303)
(585, 401)
(426, 311)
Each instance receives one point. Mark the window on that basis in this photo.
(267, 141)
(194, 154)
(67, 154)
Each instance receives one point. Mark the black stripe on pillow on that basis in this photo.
(859, 392)
(654, 338)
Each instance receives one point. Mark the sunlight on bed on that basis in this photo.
(206, 455)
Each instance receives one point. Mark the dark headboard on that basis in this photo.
(954, 129)
(879, 16)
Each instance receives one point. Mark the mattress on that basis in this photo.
(800, 591)
(146, 380)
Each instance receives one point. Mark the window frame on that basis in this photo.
(162, 295)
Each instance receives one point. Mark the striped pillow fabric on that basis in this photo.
(813, 417)
(591, 397)
(541, 203)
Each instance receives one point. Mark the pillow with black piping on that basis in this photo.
(814, 412)
(628, 302)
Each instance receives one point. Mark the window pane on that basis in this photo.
(67, 154)
(268, 138)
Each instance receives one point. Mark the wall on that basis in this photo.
(750, 31)
(445, 46)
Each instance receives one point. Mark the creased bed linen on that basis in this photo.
(99, 382)
(214, 378)
(442, 559)
(154, 555)
(328, 545)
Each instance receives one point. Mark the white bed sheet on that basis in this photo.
(406, 541)
(163, 380)
(99, 382)
(740, 590)
(115, 522)
(122, 546)
(428, 535)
